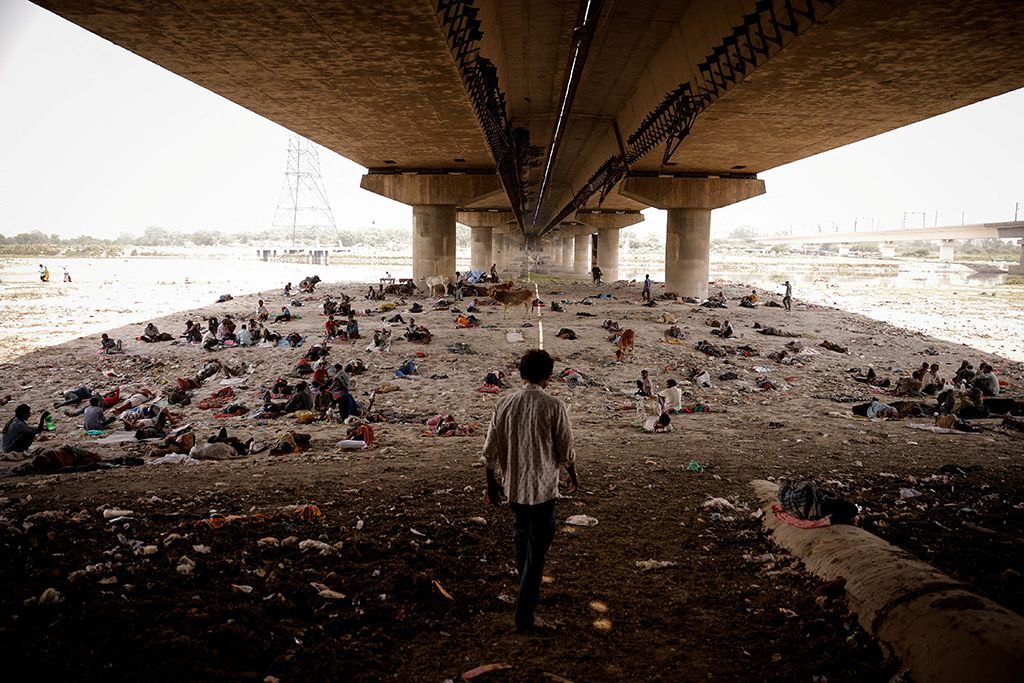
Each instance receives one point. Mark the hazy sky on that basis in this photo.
(94, 139)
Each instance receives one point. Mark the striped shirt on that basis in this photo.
(529, 438)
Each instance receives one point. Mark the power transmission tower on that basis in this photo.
(303, 206)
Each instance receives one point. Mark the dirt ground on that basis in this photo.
(414, 572)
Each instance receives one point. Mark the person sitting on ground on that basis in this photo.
(909, 386)
(18, 435)
(285, 315)
(931, 380)
(965, 375)
(355, 367)
(301, 400)
(417, 333)
(330, 305)
(671, 398)
(658, 423)
(381, 341)
(724, 331)
(986, 380)
(261, 311)
(243, 337)
(644, 385)
(108, 345)
(344, 403)
(407, 369)
(94, 419)
(555, 307)
(352, 327)
(193, 333)
(150, 334)
(331, 327)
(224, 330)
(750, 300)
(968, 405)
(288, 289)
(611, 326)
(210, 341)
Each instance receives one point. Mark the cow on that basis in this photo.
(435, 281)
(308, 284)
(625, 348)
(402, 289)
(514, 297)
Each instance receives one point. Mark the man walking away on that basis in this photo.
(529, 438)
(646, 293)
(787, 299)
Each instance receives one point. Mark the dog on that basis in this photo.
(625, 348)
(513, 297)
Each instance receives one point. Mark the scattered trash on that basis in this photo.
(598, 606)
(909, 493)
(478, 520)
(51, 596)
(325, 592)
(648, 565)
(603, 625)
(694, 466)
(116, 513)
(483, 669)
(718, 504)
(241, 588)
(440, 589)
(581, 520)
(185, 565)
(313, 544)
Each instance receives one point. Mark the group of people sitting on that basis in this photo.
(334, 330)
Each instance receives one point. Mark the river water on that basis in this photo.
(942, 300)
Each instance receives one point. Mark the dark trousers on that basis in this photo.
(535, 528)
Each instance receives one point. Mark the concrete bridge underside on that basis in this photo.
(547, 110)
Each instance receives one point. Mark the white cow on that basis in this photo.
(434, 281)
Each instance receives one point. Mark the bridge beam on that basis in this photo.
(888, 249)
(689, 202)
(946, 251)
(433, 198)
(608, 225)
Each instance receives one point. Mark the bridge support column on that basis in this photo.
(433, 199)
(689, 202)
(483, 225)
(1019, 269)
(567, 250)
(607, 225)
(581, 251)
(946, 251)
(888, 249)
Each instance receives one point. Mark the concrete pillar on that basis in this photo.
(689, 202)
(433, 199)
(687, 247)
(567, 244)
(946, 251)
(581, 252)
(607, 226)
(608, 253)
(888, 249)
(433, 240)
(1019, 268)
(481, 249)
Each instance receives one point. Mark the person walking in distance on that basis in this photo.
(529, 440)
(787, 299)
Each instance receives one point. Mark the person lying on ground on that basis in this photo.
(18, 435)
(58, 458)
(807, 500)
(986, 380)
(956, 423)
(270, 337)
(107, 400)
(876, 409)
(94, 419)
(285, 315)
(294, 339)
(145, 416)
(658, 423)
(407, 369)
(108, 345)
(671, 398)
(143, 395)
(316, 352)
(73, 397)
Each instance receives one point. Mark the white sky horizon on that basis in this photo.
(96, 140)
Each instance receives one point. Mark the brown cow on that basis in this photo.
(513, 297)
(625, 348)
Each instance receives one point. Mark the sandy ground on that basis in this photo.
(426, 587)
